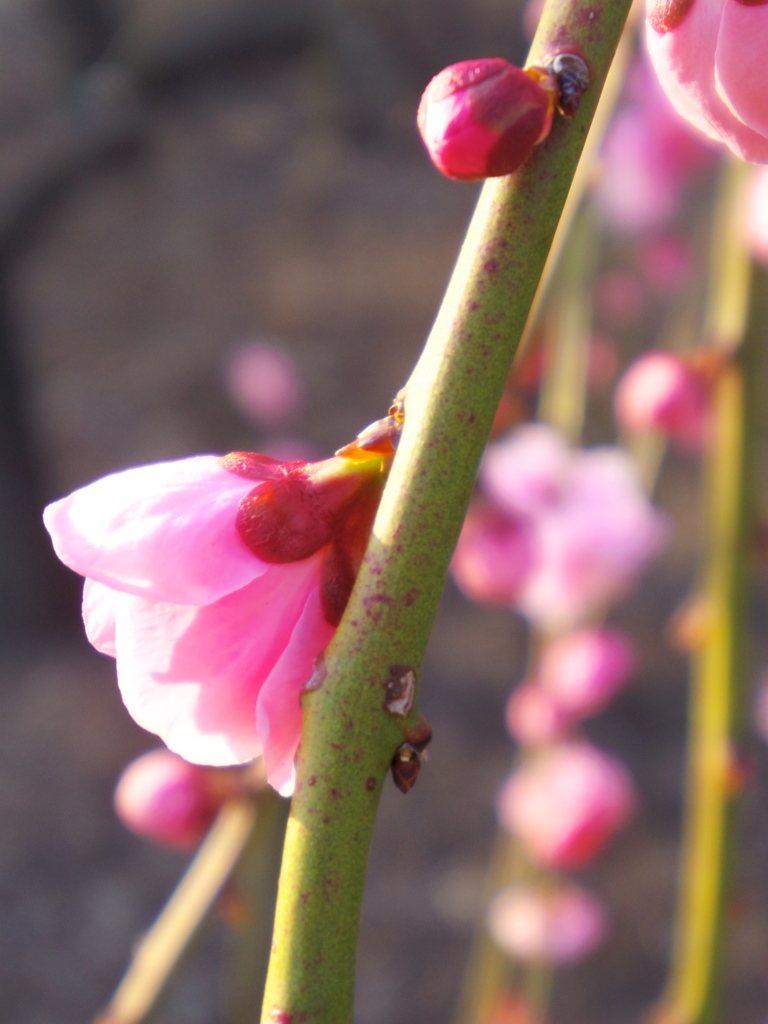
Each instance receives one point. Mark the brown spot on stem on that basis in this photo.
(370, 783)
(400, 688)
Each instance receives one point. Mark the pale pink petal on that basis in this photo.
(193, 675)
(741, 70)
(278, 709)
(684, 60)
(164, 531)
(99, 603)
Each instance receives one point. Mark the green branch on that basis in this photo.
(349, 736)
(717, 679)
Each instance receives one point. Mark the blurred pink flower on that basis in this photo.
(566, 802)
(263, 383)
(494, 555)
(589, 525)
(561, 926)
(583, 670)
(215, 583)
(482, 118)
(661, 391)
(164, 798)
(648, 157)
(710, 59)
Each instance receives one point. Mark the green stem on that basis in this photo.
(255, 886)
(163, 946)
(716, 701)
(348, 736)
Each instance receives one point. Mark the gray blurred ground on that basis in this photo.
(176, 177)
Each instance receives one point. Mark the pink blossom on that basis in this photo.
(561, 926)
(709, 56)
(591, 544)
(589, 526)
(215, 583)
(163, 797)
(264, 384)
(661, 391)
(481, 118)
(566, 802)
(583, 670)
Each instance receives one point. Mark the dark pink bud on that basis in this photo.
(481, 118)
(164, 798)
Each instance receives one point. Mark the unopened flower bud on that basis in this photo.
(481, 118)
(560, 926)
(581, 671)
(164, 798)
(661, 391)
(566, 803)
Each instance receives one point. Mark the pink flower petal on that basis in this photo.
(278, 709)
(684, 60)
(193, 675)
(164, 531)
(99, 605)
(741, 70)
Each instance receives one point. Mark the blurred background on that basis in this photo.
(188, 187)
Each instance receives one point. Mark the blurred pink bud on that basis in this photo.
(585, 520)
(755, 216)
(710, 59)
(263, 383)
(493, 555)
(661, 391)
(534, 716)
(566, 803)
(166, 799)
(482, 118)
(559, 926)
(583, 670)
